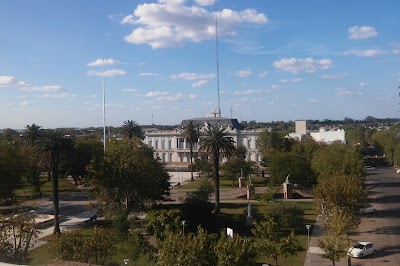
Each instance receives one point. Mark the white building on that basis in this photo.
(172, 148)
(324, 135)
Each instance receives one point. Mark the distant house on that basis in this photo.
(324, 135)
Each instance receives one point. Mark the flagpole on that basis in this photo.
(104, 108)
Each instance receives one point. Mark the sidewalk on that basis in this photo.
(313, 257)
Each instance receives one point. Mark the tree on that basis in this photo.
(132, 129)
(137, 245)
(12, 168)
(162, 222)
(234, 167)
(238, 251)
(340, 193)
(85, 150)
(74, 246)
(284, 163)
(335, 240)
(204, 167)
(217, 144)
(31, 134)
(17, 235)
(191, 135)
(127, 177)
(272, 242)
(54, 145)
(269, 142)
(191, 249)
(287, 215)
(337, 159)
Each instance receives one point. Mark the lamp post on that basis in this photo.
(183, 227)
(308, 241)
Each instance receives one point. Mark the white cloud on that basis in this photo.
(156, 94)
(363, 84)
(205, 2)
(263, 74)
(177, 97)
(295, 80)
(365, 53)
(54, 95)
(172, 23)
(48, 88)
(129, 90)
(361, 32)
(333, 76)
(200, 83)
(242, 73)
(115, 106)
(275, 87)
(249, 92)
(25, 103)
(396, 51)
(107, 73)
(192, 76)
(107, 62)
(313, 100)
(10, 81)
(346, 92)
(148, 74)
(192, 96)
(296, 65)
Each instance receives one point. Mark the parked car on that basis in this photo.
(370, 168)
(368, 208)
(362, 249)
(398, 171)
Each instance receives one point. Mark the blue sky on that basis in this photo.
(278, 60)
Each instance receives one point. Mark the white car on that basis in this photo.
(398, 171)
(362, 249)
(370, 168)
(368, 208)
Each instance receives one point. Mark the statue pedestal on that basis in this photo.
(287, 191)
(242, 181)
(251, 192)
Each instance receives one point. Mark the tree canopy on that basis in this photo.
(127, 176)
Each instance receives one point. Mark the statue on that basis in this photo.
(287, 179)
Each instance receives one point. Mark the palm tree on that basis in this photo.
(131, 129)
(53, 144)
(31, 134)
(216, 143)
(191, 135)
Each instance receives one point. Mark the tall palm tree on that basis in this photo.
(53, 144)
(217, 144)
(131, 129)
(31, 134)
(191, 135)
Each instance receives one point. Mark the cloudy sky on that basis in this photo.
(278, 60)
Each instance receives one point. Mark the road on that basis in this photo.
(382, 227)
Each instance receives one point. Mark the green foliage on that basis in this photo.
(191, 249)
(17, 235)
(73, 246)
(284, 163)
(204, 168)
(335, 240)
(238, 251)
(162, 222)
(216, 143)
(127, 177)
(286, 214)
(12, 166)
(234, 166)
(137, 245)
(132, 129)
(197, 207)
(269, 142)
(272, 242)
(191, 134)
(340, 193)
(337, 159)
(120, 224)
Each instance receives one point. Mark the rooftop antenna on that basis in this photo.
(216, 52)
(152, 122)
(104, 108)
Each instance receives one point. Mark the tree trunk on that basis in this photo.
(191, 162)
(54, 174)
(216, 183)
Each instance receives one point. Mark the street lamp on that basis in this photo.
(308, 240)
(183, 227)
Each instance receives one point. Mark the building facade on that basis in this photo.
(171, 147)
